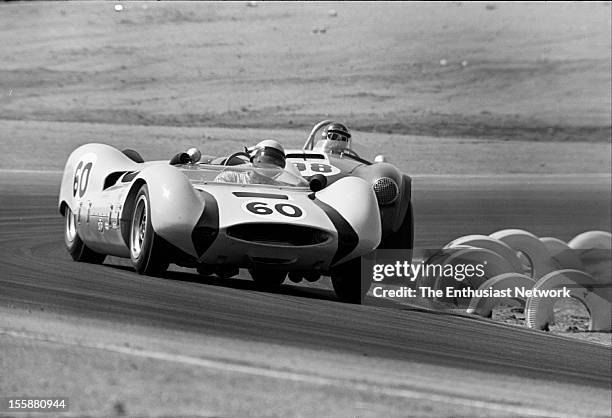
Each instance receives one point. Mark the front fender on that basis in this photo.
(175, 205)
(354, 199)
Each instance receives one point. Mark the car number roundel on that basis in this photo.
(308, 169)
(276, 210)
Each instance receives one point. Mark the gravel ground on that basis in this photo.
(571, 320)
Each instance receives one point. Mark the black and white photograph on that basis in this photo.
(305, 209)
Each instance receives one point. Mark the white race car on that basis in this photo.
(161, 212)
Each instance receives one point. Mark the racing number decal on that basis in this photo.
(316, 167)
(81, 179)
(289, 210)
(310, 169)
(285, 209)
(258, 208)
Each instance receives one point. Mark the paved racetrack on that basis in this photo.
(36, 269)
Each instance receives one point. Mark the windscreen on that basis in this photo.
(244, 175)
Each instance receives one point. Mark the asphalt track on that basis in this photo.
(36, 269)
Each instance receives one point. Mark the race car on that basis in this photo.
(177, 211)
(335, 159)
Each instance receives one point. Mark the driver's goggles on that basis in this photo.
(335, 136)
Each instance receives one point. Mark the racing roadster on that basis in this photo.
(162, 212)
(393, 189)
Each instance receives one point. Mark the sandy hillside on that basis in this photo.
(512, 71)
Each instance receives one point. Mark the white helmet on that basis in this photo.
(268, 152)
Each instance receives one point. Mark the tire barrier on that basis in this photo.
(539, 312)
(592, 240)
(492, 244)
(581, 268)
(593, 248)
(530, 245)
(483, 306)
(562, 253)
(492, 263)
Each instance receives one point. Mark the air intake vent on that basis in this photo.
(278, 234)
(386, 190)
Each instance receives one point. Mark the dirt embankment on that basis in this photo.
(537, 72)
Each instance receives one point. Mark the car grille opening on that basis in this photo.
(386, 190)
(278, 234)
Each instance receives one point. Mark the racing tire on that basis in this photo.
(226, 272)
(204, 270)
(403, 238)
(346, 281)
(147, 249)
(75, 245)
(268, 279)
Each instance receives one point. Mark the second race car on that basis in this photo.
(333, 156)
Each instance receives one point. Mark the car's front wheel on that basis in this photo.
(75, 245)
(403, 238)
(346, 281)
(204, 270)
(268, 279)
(147, 249)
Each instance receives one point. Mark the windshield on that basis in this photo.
(340, 149)
(244, 174)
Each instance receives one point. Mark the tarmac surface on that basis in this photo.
(35, 270)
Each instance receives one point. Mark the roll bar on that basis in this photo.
(309, 144)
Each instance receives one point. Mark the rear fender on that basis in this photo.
(86, 170)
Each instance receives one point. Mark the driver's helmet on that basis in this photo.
(268, 153)
(335, 138)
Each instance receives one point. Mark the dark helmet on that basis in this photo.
(268, 152)
(336, 139)
(336, 132)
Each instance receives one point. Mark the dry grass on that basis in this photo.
(538, 72)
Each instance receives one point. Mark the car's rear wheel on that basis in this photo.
(75, 245)
(268, 279)
(147, 249)
(346, 281)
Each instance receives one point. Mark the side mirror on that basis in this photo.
(317, 182)
(380, 159)
(180, 158)
(192, 156)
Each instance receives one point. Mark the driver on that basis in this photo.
(336, 139)
(266, 154)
